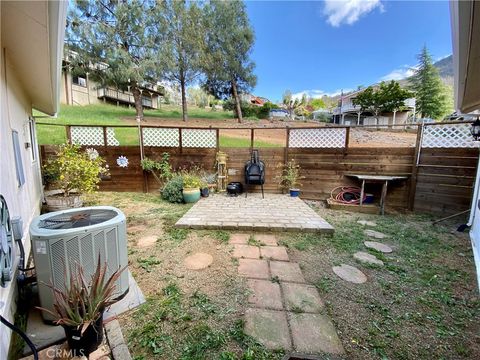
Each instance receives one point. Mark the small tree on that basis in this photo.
(430, 94)
(180, 24)
(387, 97)
(226, 63)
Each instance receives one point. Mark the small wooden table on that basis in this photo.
(376, 179)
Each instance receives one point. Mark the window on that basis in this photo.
(80, 81)
(18, 159)
(33, 139)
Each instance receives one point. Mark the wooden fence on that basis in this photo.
(440, 180)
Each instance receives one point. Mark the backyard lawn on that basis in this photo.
(105, 114)
(423, 304)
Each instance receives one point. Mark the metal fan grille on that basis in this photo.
(77, 219)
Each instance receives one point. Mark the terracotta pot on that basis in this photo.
(56, 201)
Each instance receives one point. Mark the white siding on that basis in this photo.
(22, 201)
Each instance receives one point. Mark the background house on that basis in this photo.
(82, 90)
(32, 35)
(346, 113)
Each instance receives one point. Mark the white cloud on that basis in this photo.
(399, 74)
(348, 11)
(316, 93)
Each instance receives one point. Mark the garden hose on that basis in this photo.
(347, 195)
(22, 335)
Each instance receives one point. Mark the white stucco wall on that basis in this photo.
(22, 201)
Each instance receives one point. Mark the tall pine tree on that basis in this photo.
(226, 63)
(113, 42)
(429, 90)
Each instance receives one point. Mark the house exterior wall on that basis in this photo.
(72, 94)
(24, 201)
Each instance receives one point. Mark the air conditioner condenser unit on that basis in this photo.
(63, 239)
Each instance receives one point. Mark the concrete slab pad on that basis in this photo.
(147, 241)
(367, 223)
(314, 333)
(378, 246)
(268, 327)
(265, 294)
(350, 274)
(286, 271)
(246, 251)
(238, 238)
(301, 298)
(274, 253)
(266, 239)
(252, 268)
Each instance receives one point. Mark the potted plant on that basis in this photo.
(79, 307)
(72, 172)
(191, 187)
(289, 177)
(208, 182)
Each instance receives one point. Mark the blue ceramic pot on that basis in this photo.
(294, 192)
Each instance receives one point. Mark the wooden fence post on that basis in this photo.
(69, 134)
(252, 138)
(413, 181)
(105, 140)
(217, 135)
(286, 145)
(180, 140)
(347, 137)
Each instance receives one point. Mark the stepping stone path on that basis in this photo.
(350, 273)
(284, 312)
(367, 223)
(378, 246)
(367, 258)
(198, 261)
(147, 241)
(375, 234)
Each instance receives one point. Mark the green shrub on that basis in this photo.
(74, 169)
(172, 191)
(161, 170)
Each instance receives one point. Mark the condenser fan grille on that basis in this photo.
(77, 219)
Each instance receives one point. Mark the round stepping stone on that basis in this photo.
(374, 234)
(350, 274)
(147, 241)
(367, 223)
(198, 261)
(378, 246)
(367, 258)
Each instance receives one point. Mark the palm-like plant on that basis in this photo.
(82, 303)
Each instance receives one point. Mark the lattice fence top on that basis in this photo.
(92, 135)
(447, 136)
(317, 138)
(199, 138)
(162, 137)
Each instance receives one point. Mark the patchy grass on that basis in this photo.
(422, 304)
(188, 314)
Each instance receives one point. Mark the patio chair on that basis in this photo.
(254, 172)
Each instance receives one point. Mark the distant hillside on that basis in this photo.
(445, 67)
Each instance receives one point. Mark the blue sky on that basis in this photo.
(324, 46)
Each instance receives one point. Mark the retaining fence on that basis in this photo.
(440, 177)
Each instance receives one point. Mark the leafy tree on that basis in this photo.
(387, 97)
(113, 42)
(180, 23)
(290, 102)
(317, 103)
(227, 65)
(199, 97)
(429, 91)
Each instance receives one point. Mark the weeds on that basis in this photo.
(149, 263)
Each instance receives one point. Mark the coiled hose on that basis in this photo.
(347, 195)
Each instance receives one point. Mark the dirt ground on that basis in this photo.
(358, 137)
(422, 304)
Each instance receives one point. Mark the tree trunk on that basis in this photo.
(137, 98)
(184, 98)
(237, 101)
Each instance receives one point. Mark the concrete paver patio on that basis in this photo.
(275, 212)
